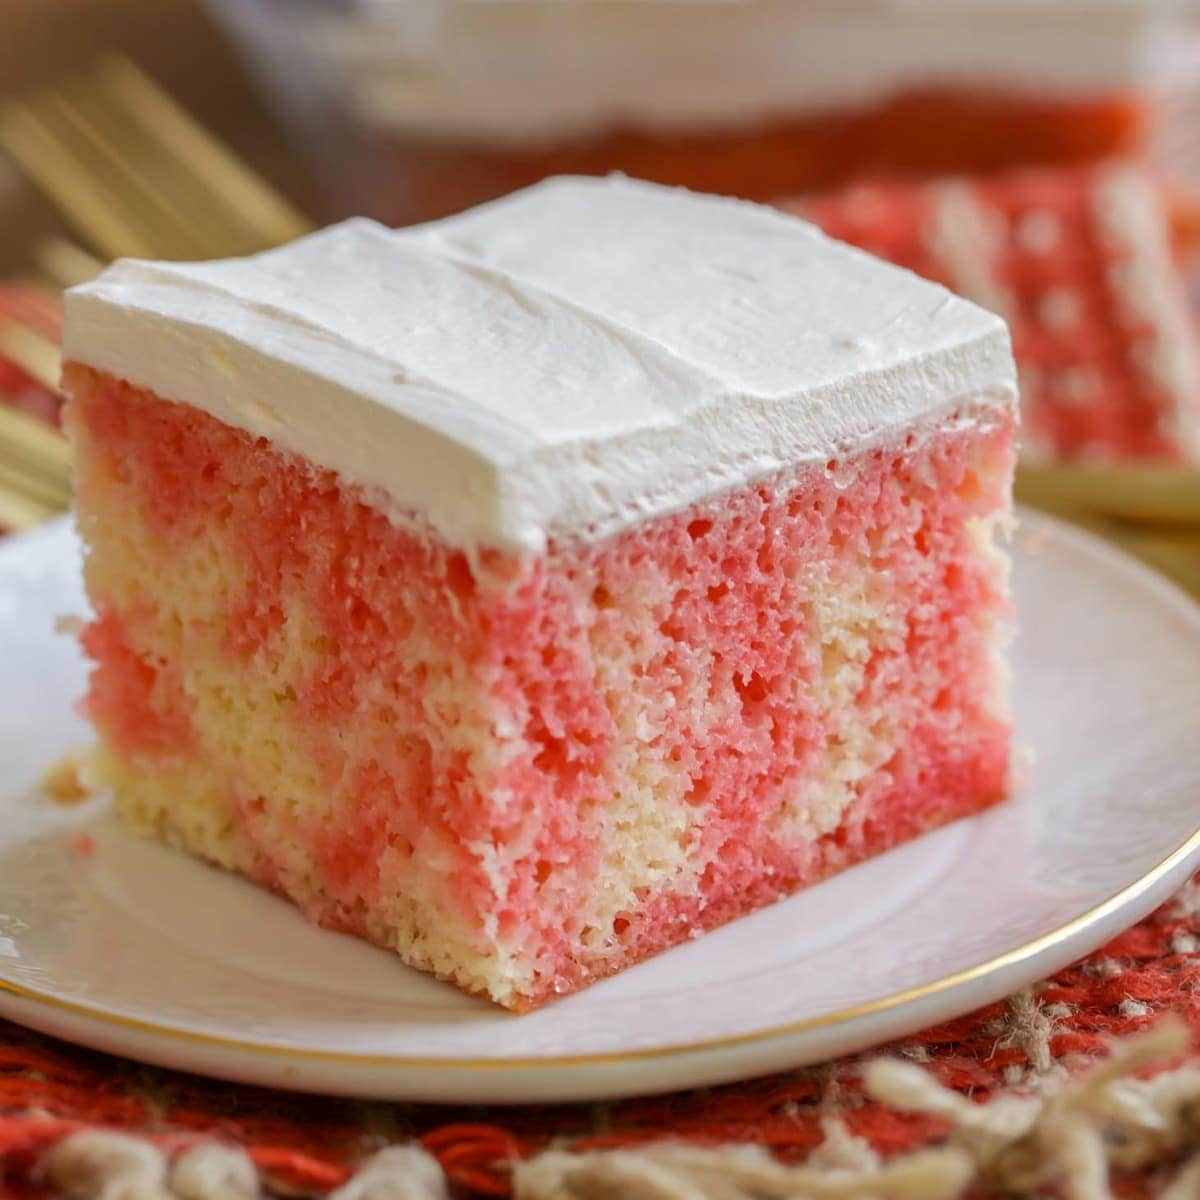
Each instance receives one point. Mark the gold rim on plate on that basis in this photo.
(1018, 954)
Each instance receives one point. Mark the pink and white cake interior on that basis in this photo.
(531, 591)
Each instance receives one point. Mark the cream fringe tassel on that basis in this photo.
(1068, 1136)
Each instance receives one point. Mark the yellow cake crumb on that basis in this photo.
(67, 782)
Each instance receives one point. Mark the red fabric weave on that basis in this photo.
(1080, 261)
(42, 313)
(307, 1145)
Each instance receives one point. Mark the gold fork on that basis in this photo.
(35, 458)
(1141, 494)
(62, 264)
(1151, 511)
(35, 468)
(19, 512)
(135, 175)
(32, 351)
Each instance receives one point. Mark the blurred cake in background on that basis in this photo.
(469, 99)
(1081, 262)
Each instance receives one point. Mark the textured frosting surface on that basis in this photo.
(564, 362)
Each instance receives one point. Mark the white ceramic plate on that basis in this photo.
(135, 949)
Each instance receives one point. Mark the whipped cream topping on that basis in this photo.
(538, 70)
(561, 363)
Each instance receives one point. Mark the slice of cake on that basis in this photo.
(531, 591)
(1081, 263)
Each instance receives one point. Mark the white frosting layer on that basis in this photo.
(531, 70)
(563, 362)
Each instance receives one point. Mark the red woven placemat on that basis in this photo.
(305, 1145)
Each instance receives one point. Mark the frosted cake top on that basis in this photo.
(564, 362)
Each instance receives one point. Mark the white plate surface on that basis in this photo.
(135, 949)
